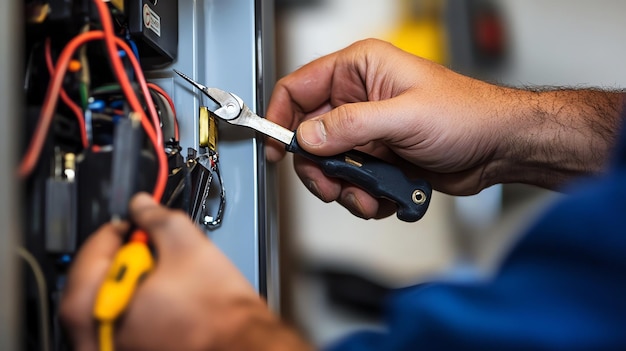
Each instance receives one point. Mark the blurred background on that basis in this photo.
(337, 268)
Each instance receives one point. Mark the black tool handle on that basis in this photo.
(377, 177)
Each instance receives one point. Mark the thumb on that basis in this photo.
(345, 127)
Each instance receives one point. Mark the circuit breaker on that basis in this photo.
(92, 103)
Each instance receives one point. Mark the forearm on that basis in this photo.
(556, 135)
(254, 327)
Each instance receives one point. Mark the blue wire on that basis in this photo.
(133, 46)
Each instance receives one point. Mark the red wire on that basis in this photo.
(160, 90)
(118, 68)
(34, 150)
(56, 80)
(66, 99)
(120, 72)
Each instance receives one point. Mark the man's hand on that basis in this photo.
(194, 299)
(459, 133)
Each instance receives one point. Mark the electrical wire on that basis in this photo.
(49, 105)
(85, 76)
(112, 41)
(132, 44)
(154, 132)
(42, 292)
(34, 150)
(29, 67)
(78, 112)
(160, 90)
(165, 115)
(105, 89)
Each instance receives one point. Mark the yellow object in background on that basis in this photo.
(119, 4)
(421, 29)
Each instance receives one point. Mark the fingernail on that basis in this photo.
(312, 186)
(313, 132)
(119, 225)
(353, 204)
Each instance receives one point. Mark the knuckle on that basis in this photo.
(368, 43)
(346, 124)
(281, 84)
(164, 220)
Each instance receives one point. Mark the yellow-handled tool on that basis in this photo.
(131, 264)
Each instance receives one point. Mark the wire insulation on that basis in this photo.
(42, 291)
(78, 112)
(112, 41)
(34, 150)
(161, 91)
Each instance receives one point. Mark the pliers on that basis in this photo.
(379, 178)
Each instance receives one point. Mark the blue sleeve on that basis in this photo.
(562, 287)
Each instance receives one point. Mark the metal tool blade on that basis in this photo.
(234, 111)
(250, 119)
(188, 79)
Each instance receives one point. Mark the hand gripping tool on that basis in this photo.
(379, 178)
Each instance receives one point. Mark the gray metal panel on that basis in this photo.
(10, 55)
(217, 47)
(268, 205)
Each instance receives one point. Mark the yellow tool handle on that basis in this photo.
(106, 336)
(132, 262)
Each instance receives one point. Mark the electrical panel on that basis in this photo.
(105, 117)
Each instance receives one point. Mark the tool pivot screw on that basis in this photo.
(418, 197)
(231, 107)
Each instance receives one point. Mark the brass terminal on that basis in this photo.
(207, 129)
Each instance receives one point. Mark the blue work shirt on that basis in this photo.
(561, 287)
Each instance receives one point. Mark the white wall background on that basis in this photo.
(567, 42)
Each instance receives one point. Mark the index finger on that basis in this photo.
(302, 91)
(297, 95)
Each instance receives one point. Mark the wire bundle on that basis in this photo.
(151, 124)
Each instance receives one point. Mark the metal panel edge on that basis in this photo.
(10, 54)
(269, 262)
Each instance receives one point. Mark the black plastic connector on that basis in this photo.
(60, 216)
(127, 141)
(154, 26)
